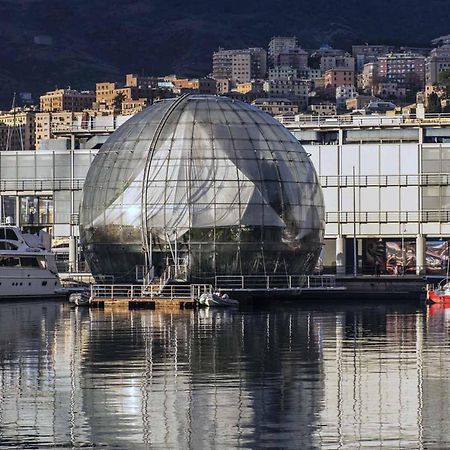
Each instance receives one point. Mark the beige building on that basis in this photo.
(280, 44)
(66, 100)
(437, 62)
(105, 93)
(240, 66)
(369, 77)
(130, 107)
(292, 88)
(328, 62)
(252, 86)
(49, 122)
(223, 86)
(327, 109)
(17, 130)
(275, 106)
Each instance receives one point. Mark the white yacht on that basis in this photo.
(27, 266)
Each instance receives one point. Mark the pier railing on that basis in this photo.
(134, 291)
(267, 282)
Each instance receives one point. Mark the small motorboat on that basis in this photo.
(441, 294)
(216, 299)
(82, 298)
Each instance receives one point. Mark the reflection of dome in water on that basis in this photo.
(208, 179)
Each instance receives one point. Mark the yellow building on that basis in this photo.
(17, 130)
(66, 100)
(48, 122)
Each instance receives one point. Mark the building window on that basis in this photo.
(36, 211)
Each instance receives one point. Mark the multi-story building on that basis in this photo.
(294, 57)
(280, 44)
(338, 77)
(390, 90)
(407, 69)
(282, 73)
(364, 54)
(105, 93)
(222, 64)
(344, 93)
(293, 89)
(369, 77)
(47, 123)
(255, 86)
(437, 62)
(66, 100)
(17, 130)
(131, 107)
(323, 109)
(276, 106)
(240, 66)
(111, 95)
(328, 62)
(141, 81)
(223, 86)
(387, 179)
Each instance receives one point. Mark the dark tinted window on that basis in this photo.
(11, 235)
(29, 262)
(7, 261)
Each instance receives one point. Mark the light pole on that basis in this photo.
(403, 248)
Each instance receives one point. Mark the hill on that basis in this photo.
(102, 39)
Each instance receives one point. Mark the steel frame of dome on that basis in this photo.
(223, 185)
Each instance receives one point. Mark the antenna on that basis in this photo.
(12, 128)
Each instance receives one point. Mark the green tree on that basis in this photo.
(434, 103)
(118, 100)
(444, 78)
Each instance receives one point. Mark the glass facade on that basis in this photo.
(207, 180)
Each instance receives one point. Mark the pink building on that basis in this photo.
(407, 69)
(338, 77)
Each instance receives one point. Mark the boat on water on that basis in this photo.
(27, 266)
(440, 294)
(215, 299)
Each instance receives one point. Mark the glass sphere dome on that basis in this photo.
(211, 182)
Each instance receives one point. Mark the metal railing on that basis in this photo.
(45, 184)
(268, 282)
(361, 121)
(434, 179)
(132, 291)
(388, 216)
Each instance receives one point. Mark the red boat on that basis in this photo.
(441, 294)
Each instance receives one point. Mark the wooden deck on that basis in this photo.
(142, 303)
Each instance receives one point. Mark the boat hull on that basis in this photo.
(437, 297)
(28, 283)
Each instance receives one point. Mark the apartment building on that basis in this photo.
(275, 106)
(66, 100)
(292, 89)
(283, 72)
(17, 129)
(344, 93)
(338, 77)
(407, 69)
(437, 62)
(280, 44)
(328, 62)
(240, 66)
(47, 123)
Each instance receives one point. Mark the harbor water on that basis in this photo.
(283, 375)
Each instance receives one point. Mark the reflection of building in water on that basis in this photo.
(39, 401)
(212, 379)
(372, 381)
(435, 380)
(221, 379)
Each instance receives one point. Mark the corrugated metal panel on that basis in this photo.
(441, 131)
(382, 135)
